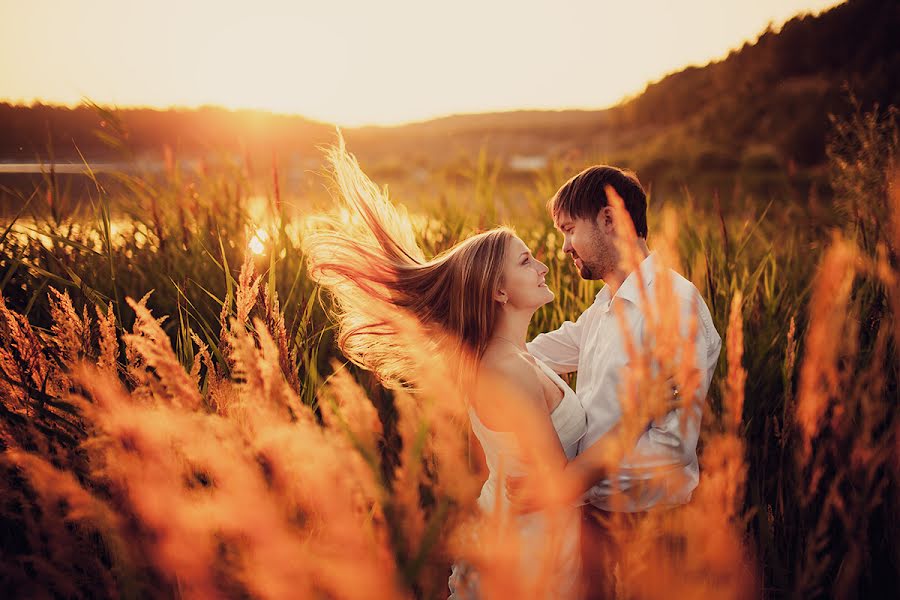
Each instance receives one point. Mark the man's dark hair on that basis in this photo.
(583, 196)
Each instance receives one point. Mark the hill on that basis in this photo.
(775, 95)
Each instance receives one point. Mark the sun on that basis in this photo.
(257, 243)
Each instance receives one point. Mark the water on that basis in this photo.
(73, 181)
(62, 168)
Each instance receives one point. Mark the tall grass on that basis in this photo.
(176, 421)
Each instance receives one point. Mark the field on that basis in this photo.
(176, 420)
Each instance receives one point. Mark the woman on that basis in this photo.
(480, 295)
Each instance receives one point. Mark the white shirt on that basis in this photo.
(662, 469)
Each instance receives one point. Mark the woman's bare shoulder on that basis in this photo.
(509, 375)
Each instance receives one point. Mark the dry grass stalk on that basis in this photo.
(71, 333)
(160, 376)
(22, 360)
(819, 376)
(108, 357)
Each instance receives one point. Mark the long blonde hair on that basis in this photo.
(371, 261)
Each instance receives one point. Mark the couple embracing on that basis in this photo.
(556, 466)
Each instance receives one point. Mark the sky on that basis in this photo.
(356, 62)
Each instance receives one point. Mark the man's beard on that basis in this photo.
(585, 271)
(600, 252)
(594, 269)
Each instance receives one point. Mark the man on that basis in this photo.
(662, 469)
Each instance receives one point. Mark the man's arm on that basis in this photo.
(560, 348)
(671, 440)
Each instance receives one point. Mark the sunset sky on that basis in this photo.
(363, 61)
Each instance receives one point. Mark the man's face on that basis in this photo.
(590, 243)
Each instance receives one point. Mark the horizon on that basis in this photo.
(503, 86)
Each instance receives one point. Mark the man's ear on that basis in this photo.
(605, 220)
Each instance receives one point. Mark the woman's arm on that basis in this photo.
(576, 477)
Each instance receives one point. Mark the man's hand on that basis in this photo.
(671, 402)
(674, 400)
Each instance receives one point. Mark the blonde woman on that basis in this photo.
(481, 294)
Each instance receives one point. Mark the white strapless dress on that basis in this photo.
(548, 541)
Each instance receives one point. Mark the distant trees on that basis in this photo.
(30, 131)
(781, 89)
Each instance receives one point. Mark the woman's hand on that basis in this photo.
(522, 494)
(529, 493)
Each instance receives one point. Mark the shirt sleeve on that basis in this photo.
(560, 348)
(671, 440)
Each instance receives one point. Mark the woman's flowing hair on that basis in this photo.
(371, 265)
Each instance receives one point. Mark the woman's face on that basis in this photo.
(523, 284)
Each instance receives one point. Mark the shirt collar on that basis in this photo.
(629, 290)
